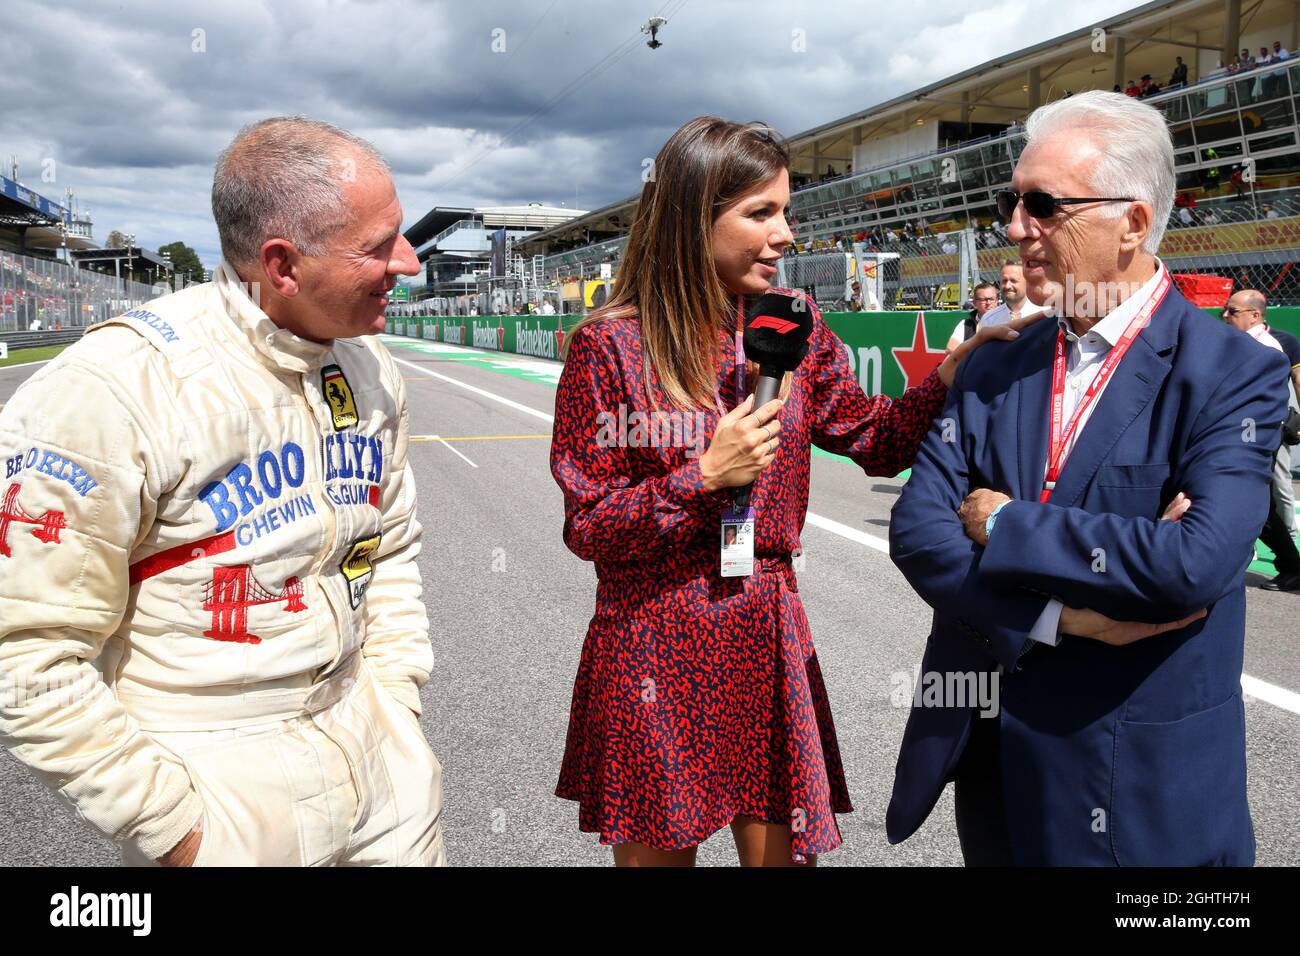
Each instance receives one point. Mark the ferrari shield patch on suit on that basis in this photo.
(338, 393)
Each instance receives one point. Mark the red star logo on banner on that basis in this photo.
(501, 338)
(920, 360)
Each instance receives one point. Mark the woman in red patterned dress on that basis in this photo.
(699, 701)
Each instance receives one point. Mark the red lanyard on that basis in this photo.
(1061, 440)
(740, 358)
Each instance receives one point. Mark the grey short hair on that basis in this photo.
(283, 178)
(1137, 151)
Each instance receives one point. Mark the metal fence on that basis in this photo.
(1253, 241)
(44, 294)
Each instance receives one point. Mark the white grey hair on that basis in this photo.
(283, 178)
(1137, 152)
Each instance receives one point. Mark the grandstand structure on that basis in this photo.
(33, 225)
(53, 275)
(917, 175)
(470, 255)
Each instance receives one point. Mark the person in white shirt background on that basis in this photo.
(984, 298)
(1015, 304)
(1245, 312)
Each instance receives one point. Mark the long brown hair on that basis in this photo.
(668, 280)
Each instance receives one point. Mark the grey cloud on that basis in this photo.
(135, 117)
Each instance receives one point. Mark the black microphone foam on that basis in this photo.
(777, 329)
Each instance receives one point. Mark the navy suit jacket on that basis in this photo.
(1130, 755)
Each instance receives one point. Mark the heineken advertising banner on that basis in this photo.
(888, 351)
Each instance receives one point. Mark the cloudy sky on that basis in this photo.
(474, 103)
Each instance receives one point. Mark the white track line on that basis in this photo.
(844, 531)
(478, 391)
(5, 368)
(1277, 696)
(453, 451)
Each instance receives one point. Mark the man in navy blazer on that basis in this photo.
(1110, 616)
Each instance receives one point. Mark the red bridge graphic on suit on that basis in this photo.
(233, 591)
(47, 528)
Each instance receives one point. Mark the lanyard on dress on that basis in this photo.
(1060, 440)
(740, 358)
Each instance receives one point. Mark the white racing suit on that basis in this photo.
(209, 602)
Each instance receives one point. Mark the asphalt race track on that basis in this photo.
(509, 605)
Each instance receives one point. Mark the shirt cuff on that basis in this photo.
(992, 518)
(1044, 630)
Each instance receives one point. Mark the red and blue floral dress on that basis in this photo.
(700, 697)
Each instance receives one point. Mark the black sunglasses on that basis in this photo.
(1042, 205)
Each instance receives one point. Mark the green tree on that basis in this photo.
(115, 240)
(185, 261)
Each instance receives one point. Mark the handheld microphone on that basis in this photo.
(777, 328)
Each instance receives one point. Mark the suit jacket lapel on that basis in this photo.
(1133, 384)
(1034, 383)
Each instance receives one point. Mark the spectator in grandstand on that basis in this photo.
(855, 300)
(1246, 61)
(1130, 443)
(1179, 75)
(755, 750)
(1133, 89)
(1238, 179)
(241, 630)
(1235, 66)
(1146, 87)
(984, 297)
(1245, 312)
(547, 308)
(1275, 83)
(1015, 302)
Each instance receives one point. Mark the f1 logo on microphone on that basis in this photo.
(782, 326)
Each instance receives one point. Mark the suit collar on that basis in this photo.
(1113, 325)
(271, 344)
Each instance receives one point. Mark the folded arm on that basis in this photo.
(1158, 570)
(928, 543)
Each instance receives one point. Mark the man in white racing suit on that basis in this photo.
(211, 632)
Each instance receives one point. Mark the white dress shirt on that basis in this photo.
(1084, 357)
(1002, 314)
(1259, 332)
